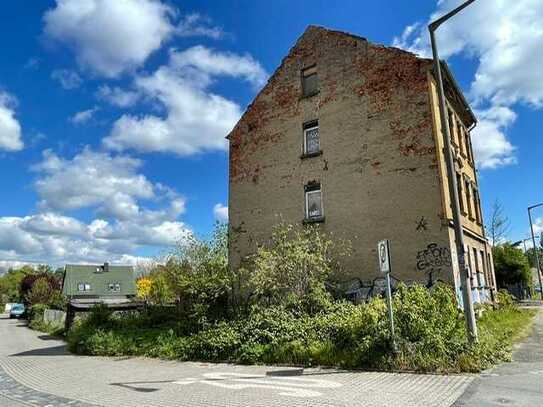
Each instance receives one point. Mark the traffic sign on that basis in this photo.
(383, 251)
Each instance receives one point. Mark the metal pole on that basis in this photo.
(389, 301)
(536, 250)
(469, 313)
(391, 314)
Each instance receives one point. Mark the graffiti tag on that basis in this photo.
(433, 259)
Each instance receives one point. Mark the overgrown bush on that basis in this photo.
(288, 316)
(295, 266)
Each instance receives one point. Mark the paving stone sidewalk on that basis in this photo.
(41, 367)
(519, 383)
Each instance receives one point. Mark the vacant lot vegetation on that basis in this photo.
(278, 311)
(430, 335)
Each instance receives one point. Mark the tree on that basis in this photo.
(499, 224)
(510, 265)
(28, 282)
(40, 293)
(530, 253)
(296, 264)
(10, 283)
(198, 275)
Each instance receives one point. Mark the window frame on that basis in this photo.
(308, 190)
(469, 197)
(306, 128)
(477, 203)
(305, 73)
(469, 150)
(452, 119)
(83, 287)
(114, 287)
(460, 191)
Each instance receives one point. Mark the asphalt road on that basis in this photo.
(37, 370)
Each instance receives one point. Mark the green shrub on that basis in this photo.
(430, 334)
(296, 265)
(505, 299)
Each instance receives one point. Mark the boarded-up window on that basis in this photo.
(313, 202)
(311, 137)
(310, 81)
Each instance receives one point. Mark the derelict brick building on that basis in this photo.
(347, 134)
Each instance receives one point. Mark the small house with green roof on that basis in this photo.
(98, 282)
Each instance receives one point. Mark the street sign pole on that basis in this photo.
(383, 251)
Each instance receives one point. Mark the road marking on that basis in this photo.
(287, 386)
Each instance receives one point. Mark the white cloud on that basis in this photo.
(110, 37)
(68, 79)
(505, 38)
(197, 119)
(131, 213)
(84, 116)
(92, 179)
(197, 25)
(60, 239)
(10, 129)
(492, 149)
(117, 96)
(214, 63)
(220, 212)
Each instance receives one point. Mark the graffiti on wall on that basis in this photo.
(422, 224)
(433, 259)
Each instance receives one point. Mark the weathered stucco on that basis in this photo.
(380, 167)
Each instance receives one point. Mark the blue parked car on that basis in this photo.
(17, 311)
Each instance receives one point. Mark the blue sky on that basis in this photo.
(113, 114)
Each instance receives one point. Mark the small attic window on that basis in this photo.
(310, 81)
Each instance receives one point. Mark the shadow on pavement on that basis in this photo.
(133, 386)
(301, 372)
(60, 350)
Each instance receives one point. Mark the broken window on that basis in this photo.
(311, 137)
(313, 202)
(310, 81)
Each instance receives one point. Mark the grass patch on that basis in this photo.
(430, 335)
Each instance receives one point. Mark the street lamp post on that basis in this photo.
(471, 324)
(535, 247)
